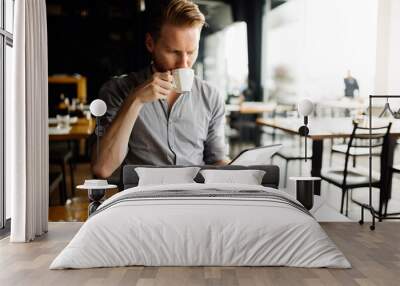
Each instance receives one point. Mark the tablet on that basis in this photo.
(256, 156)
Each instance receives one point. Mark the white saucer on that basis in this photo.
(96, 185)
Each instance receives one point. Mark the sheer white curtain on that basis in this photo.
(26, 121)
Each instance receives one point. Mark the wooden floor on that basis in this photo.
(375, 257)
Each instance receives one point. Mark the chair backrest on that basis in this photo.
(396, 169)
(360, 138)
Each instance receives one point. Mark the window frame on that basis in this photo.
(6, 39)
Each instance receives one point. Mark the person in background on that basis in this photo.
(147, 122)
(351, 85)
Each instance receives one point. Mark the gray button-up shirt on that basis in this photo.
(191, 134)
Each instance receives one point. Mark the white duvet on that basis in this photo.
(200, 231)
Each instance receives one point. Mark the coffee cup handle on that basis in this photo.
(174, 86)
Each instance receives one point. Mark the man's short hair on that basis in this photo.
(175, 12)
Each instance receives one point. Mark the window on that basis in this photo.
(226, 59)
(6, 43)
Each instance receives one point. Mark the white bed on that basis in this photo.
(237, 229)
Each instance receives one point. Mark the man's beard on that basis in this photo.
(157, 66)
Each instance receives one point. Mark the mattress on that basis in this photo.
(201, 225)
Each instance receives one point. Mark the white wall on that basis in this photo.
(318, 41)
(394, 49)
(388, 48)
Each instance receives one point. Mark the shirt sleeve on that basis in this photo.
(111, 93)
(215, 148)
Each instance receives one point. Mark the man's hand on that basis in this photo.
(159, 86)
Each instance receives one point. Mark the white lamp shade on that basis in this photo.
(305, 107)
(98, 107)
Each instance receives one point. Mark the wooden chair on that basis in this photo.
(61, 154)
(56, 182)
(348, 179)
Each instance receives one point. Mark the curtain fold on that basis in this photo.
(27, 117)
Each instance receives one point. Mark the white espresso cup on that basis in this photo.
(183, 79)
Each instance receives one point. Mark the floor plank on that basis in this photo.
(375, 257)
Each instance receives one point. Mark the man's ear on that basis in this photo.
(149, 41)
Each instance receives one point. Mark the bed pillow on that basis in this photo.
(248, 177)
(165, 176)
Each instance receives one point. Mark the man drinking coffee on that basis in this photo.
(163, 115)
